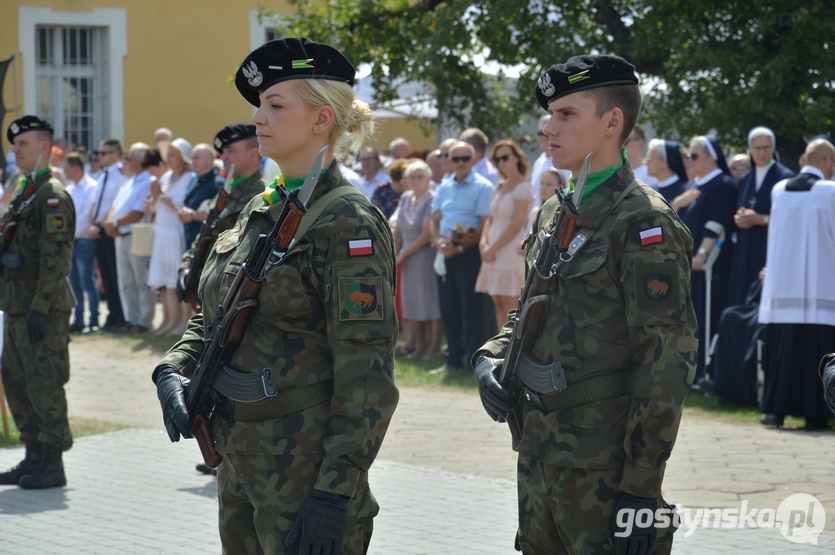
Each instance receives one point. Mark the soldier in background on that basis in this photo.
(36, 296)
(238, 147)
(620, 330)
(294, 476)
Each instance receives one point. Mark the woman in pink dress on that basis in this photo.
(502, 272)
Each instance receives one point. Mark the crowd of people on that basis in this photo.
(459, 215)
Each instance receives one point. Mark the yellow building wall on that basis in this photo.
(181, 54)
(408, 128)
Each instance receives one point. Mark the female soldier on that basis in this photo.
(294, 480)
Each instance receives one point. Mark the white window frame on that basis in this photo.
(114, 19)
(258, 29)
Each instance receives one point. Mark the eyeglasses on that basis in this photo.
(693, 156)
(459, 159)
(416, 177)
(504, 158)
(445, 155)
(368, 159)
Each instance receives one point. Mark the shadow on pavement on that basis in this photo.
(17, 501)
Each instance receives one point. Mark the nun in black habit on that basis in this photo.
(664, 163)
(707, 208)
(753, 204)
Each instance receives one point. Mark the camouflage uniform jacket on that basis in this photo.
(235, 202)
(623, 302)
(312, 325)
(44, 240)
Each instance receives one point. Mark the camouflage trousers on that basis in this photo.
(260, 496)
(34, 376)
(566, 510)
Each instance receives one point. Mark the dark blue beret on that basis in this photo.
(581, 73)
(27, 123)
(290, 58)
(233, 133)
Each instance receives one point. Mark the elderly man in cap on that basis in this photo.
(37, 300)
(603, 380)
(238, 148)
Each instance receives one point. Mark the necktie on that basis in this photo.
(101, 194)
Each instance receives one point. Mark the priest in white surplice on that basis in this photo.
(798, 299)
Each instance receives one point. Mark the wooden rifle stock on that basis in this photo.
(201, 252)
(232, 320)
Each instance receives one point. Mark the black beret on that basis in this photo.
(581, 73)
(290, 58)
(27, 123)
(233, 133)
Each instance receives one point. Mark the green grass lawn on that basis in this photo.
(80, 427)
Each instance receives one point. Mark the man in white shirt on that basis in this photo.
(82, 189)
(138, 301)
(112, 179)
(798, 298)
(635, 154)
(479, 142)
(543, 162)
(372, 176)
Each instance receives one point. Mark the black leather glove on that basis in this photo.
(36, 326)
(320, 524)
(494, 397)
(182, 278)
(827, 373)
(637, 540)
(171, 391)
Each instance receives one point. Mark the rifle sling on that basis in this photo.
(321, 205)
(19, 274)
(285, 403)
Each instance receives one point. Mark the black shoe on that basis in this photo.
(34, 454)
(48, 474)
(705, 386)
(76, 327)
(815, 424)
(772, 420)
(203, 469)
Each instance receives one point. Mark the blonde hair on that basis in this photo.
(353, 121)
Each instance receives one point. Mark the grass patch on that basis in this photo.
(80, 427)
(415, 373)
(146, 341)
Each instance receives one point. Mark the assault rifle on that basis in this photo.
(204, 244)
(21, 201)
(536, 296)
(238, 307)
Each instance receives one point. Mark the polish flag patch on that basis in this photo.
(650, 236)
(360, 247)
(53, 202)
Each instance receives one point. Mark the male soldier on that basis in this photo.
(619, 330)
(37, 299)
(238, 147)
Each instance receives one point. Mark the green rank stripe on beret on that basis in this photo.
(581, 73)
(290, 58)
(27, 123)
(232, 134)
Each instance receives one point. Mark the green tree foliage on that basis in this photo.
(707, 65)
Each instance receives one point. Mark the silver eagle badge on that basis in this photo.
(545, 85)
(253, 75)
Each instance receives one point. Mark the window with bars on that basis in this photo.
(70, 82)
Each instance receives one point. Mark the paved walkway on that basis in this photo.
(444, 477)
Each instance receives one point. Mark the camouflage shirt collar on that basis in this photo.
(242, 187)
(595, 208)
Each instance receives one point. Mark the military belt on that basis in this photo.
(589, 390)
(285, 403)
(19, 274)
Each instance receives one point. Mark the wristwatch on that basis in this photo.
(702, 250)
(765, 219)
(460, 249)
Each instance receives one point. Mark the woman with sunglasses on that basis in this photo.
(708, 208)
(294, 475)
(502, 272)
